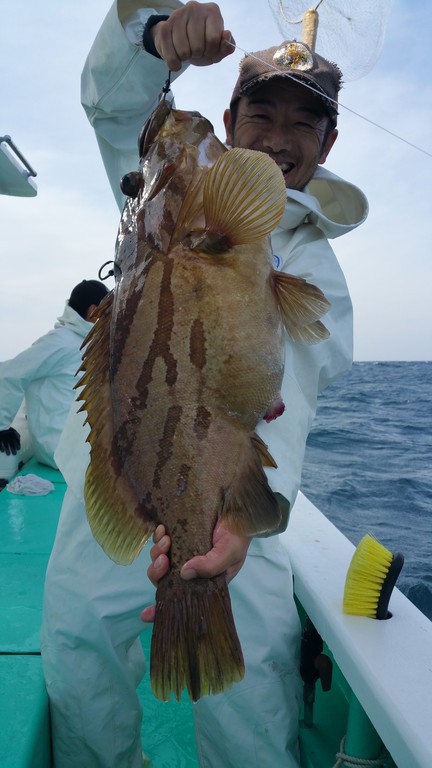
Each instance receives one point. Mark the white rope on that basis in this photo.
(353, 112)
(358, 762)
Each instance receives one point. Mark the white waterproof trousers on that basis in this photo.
(93, 660)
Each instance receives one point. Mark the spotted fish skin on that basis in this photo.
(185, 358)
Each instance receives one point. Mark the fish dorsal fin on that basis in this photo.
(115, 516)
(191, 215)
(244, 196)
(301, 304)
(249, 505)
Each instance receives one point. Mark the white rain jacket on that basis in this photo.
(90, 635)
(44, 376)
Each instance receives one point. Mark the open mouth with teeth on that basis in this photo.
(285, 168)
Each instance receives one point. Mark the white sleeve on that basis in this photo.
(308, 368)
(120, 86)
(16, 375)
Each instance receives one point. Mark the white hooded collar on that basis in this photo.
(72, 320)
(334, 205)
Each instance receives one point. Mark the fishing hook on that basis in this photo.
(110, 273)
(167, 87)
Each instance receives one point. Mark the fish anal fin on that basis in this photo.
(244, 196)
(267, 459)
(117, 520)
(302, 305)
(249, 506)
(194, 641)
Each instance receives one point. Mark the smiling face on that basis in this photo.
(286, 121)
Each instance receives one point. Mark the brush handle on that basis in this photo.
(387, 588)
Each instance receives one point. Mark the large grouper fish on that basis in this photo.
(185, 358)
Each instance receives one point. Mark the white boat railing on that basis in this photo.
(387, 664)
(16, 173)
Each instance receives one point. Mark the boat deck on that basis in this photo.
(27, 529)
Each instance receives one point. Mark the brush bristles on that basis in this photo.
(366, 576)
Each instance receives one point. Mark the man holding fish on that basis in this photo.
(90, 638)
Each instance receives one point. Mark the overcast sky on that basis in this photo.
(51, 242)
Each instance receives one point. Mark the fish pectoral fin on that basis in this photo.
(309, 334)
(244, 196)
(301, 304)
(249, 506)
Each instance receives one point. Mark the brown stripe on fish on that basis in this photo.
(202, 422)
(159, 350)
(124, 440)
(160, 345)
(197, 344)
(151, 511)
(182, 479)
(166, 442)
(124, 311)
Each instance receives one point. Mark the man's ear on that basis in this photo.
(228, 127)
(89, 313)
(331, 138)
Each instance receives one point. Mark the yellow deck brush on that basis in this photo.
(370, 579)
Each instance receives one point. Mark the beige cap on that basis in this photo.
(295, 61)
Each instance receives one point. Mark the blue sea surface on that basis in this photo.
(368, 464)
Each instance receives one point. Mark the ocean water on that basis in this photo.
(368, 464)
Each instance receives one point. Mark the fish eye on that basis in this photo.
(130, 184)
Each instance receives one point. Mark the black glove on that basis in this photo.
(10, 441)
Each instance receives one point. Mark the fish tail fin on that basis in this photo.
(194, 642)
(301, 304)
(249, 506)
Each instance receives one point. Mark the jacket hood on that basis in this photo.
(334, 205)
(72, 320)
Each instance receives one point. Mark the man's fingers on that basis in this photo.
(211, 565)
(194, 33)
(148, 614)
(161, 547)
(159, 532)
(158, 569)
(227, 556)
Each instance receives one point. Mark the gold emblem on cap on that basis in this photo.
(293, 56)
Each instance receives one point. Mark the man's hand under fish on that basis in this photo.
(228, 554)
(194, 33)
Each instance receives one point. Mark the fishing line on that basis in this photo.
(300, 18)
(338, 103)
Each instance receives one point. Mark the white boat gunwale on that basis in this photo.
(391, 678)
